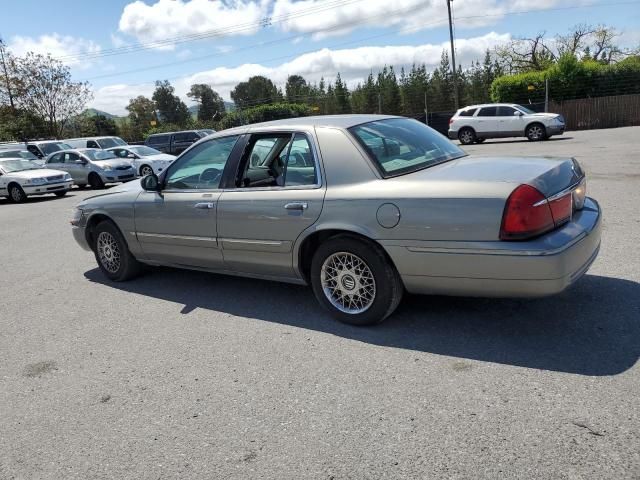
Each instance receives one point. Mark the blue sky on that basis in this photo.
(222, 43)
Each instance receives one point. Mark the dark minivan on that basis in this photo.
(174, 143)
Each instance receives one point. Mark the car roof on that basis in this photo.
(490, 105)
(337, 121)
(89, 138)
(177, 131)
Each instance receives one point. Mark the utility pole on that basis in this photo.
(6, 75)
(453, 57)
(546, 94)
(426, 110)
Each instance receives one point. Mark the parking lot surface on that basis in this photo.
(182, 374)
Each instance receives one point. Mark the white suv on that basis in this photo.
(497, 120)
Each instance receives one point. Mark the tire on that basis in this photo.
(536, 132)
(60, 194)
(113, 255)
(480, 140)
(145, 170)
(82, 186)
(381, 294)
(16, 194)
(95, 181)
(466, 136)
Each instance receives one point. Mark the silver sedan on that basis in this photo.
(361, 207)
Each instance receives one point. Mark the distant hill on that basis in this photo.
(92, 112)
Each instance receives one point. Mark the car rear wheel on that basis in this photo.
(61, 194)
(95, 181)
(16, 194)
(467, 136)
(536, 132)
(145, 170)
(355, 281)
(113, 255)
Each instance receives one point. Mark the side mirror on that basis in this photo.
(150, 183)
(517, 113)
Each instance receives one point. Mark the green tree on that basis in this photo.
(255, 91)
(44, 89)
(142, 112)
(210, 102)
(169, 106)
(342, 96)
(297, 90)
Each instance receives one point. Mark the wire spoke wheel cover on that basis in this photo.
(348, 283)
(108, 252)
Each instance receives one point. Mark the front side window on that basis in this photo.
(57, 158)
(93, 144)
(202, 166)
(401, 145)
(506, 111)
(278, 160)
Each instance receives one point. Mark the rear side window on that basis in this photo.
(488, 112)
(468, 113)
(92, 144)
(158, 139)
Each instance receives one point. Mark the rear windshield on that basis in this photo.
(401, 145)
(97, 155)
(48, 148)
(111, 142)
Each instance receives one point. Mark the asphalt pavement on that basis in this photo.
(184, 374)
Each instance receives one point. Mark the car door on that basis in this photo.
(178, 224)
(486, 122)
(76, 166)
(277, 194)
(56, 162)
(510, 121)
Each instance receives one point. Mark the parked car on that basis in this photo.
(95, 142)
(92, 166)
(498, 120)
(20, 152)
(359, 224)
(40, 148)
(145, 160)
(174, 143)
(20, 178)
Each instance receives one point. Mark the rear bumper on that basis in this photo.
(540, 267)
(452, 134)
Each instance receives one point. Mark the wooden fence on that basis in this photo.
(599, 112)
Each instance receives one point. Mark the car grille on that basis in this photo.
(125, 167)
(55, 178)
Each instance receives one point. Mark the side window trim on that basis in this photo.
(314, 153)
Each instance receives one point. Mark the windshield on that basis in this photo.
(97, 155)
(145, 151)
(401, 145)
(48, 148)
(17, 165)
(109, 142)
(18, 153)
(525, 109)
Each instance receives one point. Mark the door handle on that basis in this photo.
(296, 206)
(204, 205)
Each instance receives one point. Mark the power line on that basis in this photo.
(338, 27)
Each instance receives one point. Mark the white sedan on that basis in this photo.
(145, 160)
(20, 178)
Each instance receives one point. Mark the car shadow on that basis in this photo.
(591, 329)
(521, 140)
(36, 199)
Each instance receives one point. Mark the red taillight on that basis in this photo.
(526, 214)
(561, 208)
(450, 120)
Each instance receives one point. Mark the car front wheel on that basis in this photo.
(112, 254)
(536, 132)
(145, 170)
(95, 181)
(467, 136)
(355, 281)
(16, 194)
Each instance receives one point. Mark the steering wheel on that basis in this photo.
(209, 175)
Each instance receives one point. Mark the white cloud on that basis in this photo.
(63, 47)
(173, 18)
(352, 64)
(409, 15)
